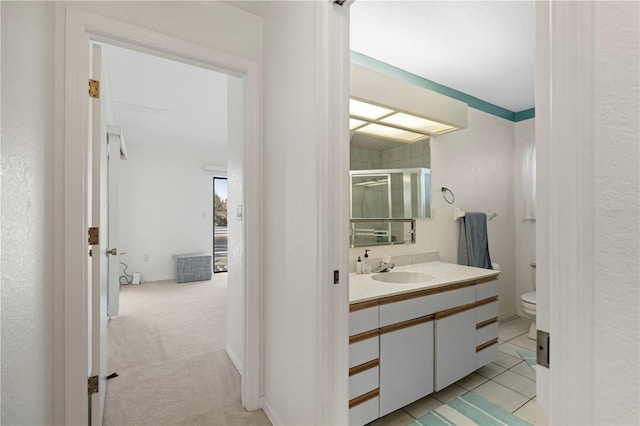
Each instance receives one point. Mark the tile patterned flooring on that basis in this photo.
(507, 382)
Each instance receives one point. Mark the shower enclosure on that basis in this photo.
(391, 193)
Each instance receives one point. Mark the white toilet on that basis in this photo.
(528, 302)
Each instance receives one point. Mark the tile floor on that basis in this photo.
(507, 382)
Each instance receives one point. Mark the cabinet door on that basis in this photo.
(455, 347)
(406, 365)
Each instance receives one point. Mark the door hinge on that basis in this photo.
(542, 348)
(94, 236)
(94, 88)
(92, 385)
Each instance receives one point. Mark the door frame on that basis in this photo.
(81, 27)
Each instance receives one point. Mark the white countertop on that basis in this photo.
(362, 287)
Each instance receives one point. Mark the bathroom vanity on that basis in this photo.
(417, 332)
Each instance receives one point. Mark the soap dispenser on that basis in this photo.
(366, 264)
(358, 266)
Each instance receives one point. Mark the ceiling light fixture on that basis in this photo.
(389, 108)
(390, 123)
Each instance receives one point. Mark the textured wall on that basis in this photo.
(588, 230)
(477, 165)
(525, 230)
(27, 284)
(290, 212)
(617, 219)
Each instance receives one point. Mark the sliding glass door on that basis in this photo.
(220, 247)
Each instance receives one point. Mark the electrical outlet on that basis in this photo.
(146, 257)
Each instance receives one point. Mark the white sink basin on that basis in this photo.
(401, 277)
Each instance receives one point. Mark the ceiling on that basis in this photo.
(482, 48)
(161, 102)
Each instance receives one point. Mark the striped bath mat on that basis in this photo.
(469, 409)
(529, 357)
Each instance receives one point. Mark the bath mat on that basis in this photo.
(529, 357)
(469, 409)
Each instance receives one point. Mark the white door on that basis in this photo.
(99, 257)
(114, 142)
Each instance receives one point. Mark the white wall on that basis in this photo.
(475, 163)
(166, 207)
(616, 174)
(213, 24)
(27, 284)
(588, 232)
(305, 314)
(525, 230)
(235, 171)
(290, 214)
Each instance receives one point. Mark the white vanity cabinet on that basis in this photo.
(405, 346)
(406, 363)
(455, 345)
(364, 361)
(486, 330)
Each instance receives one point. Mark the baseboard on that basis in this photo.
(507, 317)
(271, 414)
(161, 278)
(235, 360)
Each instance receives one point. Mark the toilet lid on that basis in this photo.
(529, 297)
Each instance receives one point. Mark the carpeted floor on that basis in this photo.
(168, 348)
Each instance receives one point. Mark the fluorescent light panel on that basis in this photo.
(354, 123)
(387, 123)
(391, 133)
(416, 123)
(366, 110)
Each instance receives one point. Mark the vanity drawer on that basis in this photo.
(364, 351)
(486, 333)
(363, 320)
(364, 382)
(364, 412)
(487, 290)
(391, 313)
(487, 355)
(487, 311)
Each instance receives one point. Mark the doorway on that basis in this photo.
(82, 28)
(166, 210)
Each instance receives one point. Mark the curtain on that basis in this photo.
(529, 181)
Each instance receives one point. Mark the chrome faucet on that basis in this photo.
(385, 265)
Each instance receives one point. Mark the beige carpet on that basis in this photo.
(168, 348)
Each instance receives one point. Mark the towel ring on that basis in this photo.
(444, 195)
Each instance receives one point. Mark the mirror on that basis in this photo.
(390, 193)
(378, 232)
(390, 179)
